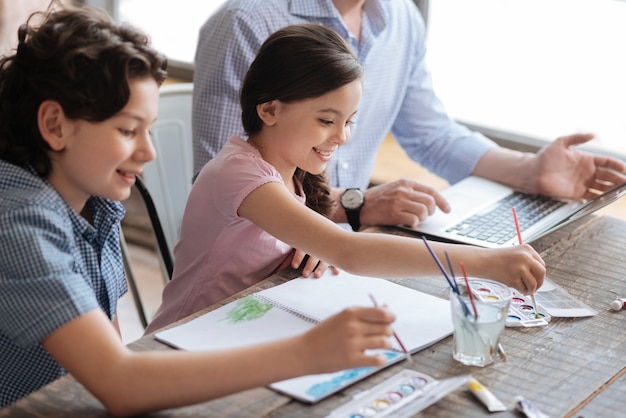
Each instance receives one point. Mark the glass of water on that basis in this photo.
(478, 321)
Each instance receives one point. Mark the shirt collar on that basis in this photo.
(307, 8)
(326, 9)
(106, 213)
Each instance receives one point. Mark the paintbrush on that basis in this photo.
(408, 355)
(443, 270)
(519, 238)
(452, 283)
(469, 290)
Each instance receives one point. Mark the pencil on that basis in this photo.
(408, 356)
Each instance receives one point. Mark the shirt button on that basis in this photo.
(89, 235)
(345, 165)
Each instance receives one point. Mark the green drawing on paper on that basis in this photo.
(247, 309)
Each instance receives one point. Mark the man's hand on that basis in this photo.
(563, 171)
(558, 169)
(401, 202)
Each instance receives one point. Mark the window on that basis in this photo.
(172, 25)
(522, 71)
(173, 30)
(531, 70)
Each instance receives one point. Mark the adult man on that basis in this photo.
(388, 37)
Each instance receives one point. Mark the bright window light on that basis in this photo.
(535, 68)
(529, 69)
(173, 29)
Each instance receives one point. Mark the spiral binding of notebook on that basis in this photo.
(288, 309)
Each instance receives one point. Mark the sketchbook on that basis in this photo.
(297, 305)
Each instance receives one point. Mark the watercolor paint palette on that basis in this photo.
(522, 312)
(402, 395)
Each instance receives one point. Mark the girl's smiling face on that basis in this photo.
(305, 133)
(101, 158)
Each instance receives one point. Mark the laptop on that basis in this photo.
(482, 214)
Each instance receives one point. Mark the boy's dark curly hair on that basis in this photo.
(78, 57)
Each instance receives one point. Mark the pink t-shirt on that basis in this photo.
(220, 253)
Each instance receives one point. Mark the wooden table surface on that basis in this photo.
(573, 367)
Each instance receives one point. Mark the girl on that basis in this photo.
(77, 100)
(246, 209)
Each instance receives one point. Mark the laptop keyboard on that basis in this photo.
(496, 225)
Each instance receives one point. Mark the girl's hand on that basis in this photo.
(520, 267)
(340, 341)
(312, 265)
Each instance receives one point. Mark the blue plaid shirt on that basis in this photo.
(54, 267)
(398, 95)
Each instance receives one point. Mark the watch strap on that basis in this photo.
(354, 218)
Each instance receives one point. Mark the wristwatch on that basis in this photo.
(352, 201)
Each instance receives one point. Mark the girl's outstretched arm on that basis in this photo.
(273, 208)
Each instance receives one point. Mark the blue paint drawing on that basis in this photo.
(319, 390)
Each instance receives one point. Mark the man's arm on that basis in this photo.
(558, 169)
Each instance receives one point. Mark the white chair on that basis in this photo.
(166, 180)
(169, 176)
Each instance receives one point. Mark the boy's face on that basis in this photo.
(103, 158)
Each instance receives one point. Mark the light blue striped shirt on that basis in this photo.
(54, 267)
(398, 95)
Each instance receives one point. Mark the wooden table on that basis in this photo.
(569, 368)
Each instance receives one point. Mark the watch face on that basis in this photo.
(352, 199)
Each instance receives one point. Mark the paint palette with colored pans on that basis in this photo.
(523, 314)
(521, 310)
(402, 395)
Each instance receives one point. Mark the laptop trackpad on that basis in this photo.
(467, 197)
